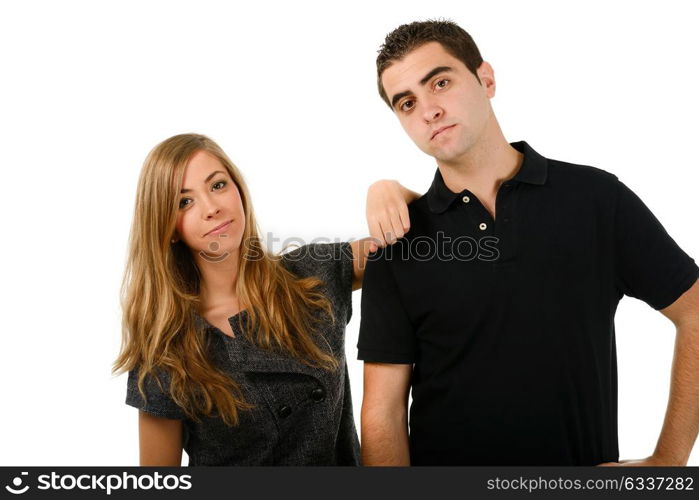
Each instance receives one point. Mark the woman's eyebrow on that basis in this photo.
(205, 180)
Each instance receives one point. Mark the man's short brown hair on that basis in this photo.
(408, 37)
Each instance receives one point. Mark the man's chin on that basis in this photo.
(446, 157)
(443, 155)
(451, 155)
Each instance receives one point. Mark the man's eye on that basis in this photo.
(406, 106)
(442, 83)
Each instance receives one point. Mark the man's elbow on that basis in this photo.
(384, 434)
(382, 416)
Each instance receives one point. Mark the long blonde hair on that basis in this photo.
(160, 293)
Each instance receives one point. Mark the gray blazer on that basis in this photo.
(301, 415)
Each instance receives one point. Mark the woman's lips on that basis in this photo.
(221, 229)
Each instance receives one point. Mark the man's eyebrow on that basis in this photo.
(438, 69)
(205, 180)
(425, 79)
(398, 97)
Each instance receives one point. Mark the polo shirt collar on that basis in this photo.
(533, 171)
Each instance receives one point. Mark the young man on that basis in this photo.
(498, 306)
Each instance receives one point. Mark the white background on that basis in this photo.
(288, 90)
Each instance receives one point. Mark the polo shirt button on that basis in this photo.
(284, 411)
(483, 226)
(466, 199)
(318, 394)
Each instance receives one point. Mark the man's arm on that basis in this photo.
(385, 414)
(681, 423)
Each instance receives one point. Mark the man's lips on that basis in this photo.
(440, 130)
(223, 225)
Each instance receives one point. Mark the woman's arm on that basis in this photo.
(387, 211)
(360, 250)
(387, 215)
(160, 440)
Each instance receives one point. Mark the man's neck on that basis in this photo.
(483, 168)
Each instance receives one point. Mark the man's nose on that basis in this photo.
(432, 112)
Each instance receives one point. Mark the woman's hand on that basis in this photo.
(387, 212)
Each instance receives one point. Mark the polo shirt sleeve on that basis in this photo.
(158, 401)
(386, 334)
(650, 266)
(332, 264)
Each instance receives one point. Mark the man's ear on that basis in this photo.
(487, 76)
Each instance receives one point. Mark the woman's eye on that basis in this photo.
(183, 200)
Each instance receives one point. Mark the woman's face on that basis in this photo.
(208, 199)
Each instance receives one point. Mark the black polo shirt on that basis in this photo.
(510, 322)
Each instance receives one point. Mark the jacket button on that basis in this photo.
(318, 394)
(284, 411)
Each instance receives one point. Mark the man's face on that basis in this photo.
(438, 101)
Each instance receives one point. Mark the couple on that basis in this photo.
(496, 308)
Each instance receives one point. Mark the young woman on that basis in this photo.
(234, 354)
